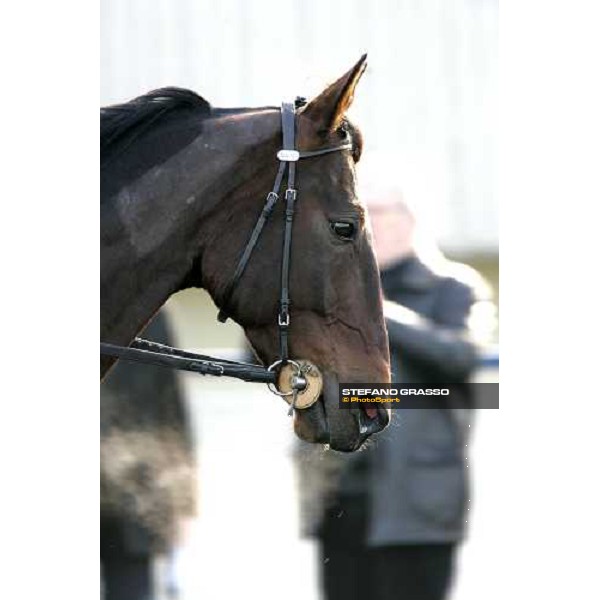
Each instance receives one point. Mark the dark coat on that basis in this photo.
(147, 467)
(417, 469)
(409, 485)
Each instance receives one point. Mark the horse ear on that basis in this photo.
(329, 107)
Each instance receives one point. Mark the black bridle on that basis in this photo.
(158, 354)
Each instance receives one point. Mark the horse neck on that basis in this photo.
(154, 229)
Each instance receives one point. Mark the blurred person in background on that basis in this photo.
(147, 473)
(389, 518)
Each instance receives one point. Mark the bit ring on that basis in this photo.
(272, 387)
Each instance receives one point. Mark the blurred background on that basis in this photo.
(428, 102)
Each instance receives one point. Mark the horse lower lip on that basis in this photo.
(320, 433)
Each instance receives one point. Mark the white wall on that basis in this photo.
(428, 97)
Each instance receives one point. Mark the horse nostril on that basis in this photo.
(370, 411)
(372, 419)
(376, 412)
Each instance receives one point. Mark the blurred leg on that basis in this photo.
(127, 578)
(344, 575)
(412, 572)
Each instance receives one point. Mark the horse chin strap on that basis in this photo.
(299, 382)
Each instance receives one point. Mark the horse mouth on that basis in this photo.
(366, 424)
(345, 430)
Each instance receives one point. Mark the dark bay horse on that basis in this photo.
(182, 185)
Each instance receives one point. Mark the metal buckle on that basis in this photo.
(284, 323)
(288, 155)
(221, 369)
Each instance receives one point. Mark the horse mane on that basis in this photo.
(131, 119)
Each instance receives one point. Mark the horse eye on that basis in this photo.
(343, 230)
(342, 131)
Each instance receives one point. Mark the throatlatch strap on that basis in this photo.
(270, 202)
(288, 127)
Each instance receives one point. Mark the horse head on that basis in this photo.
(336, 309)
